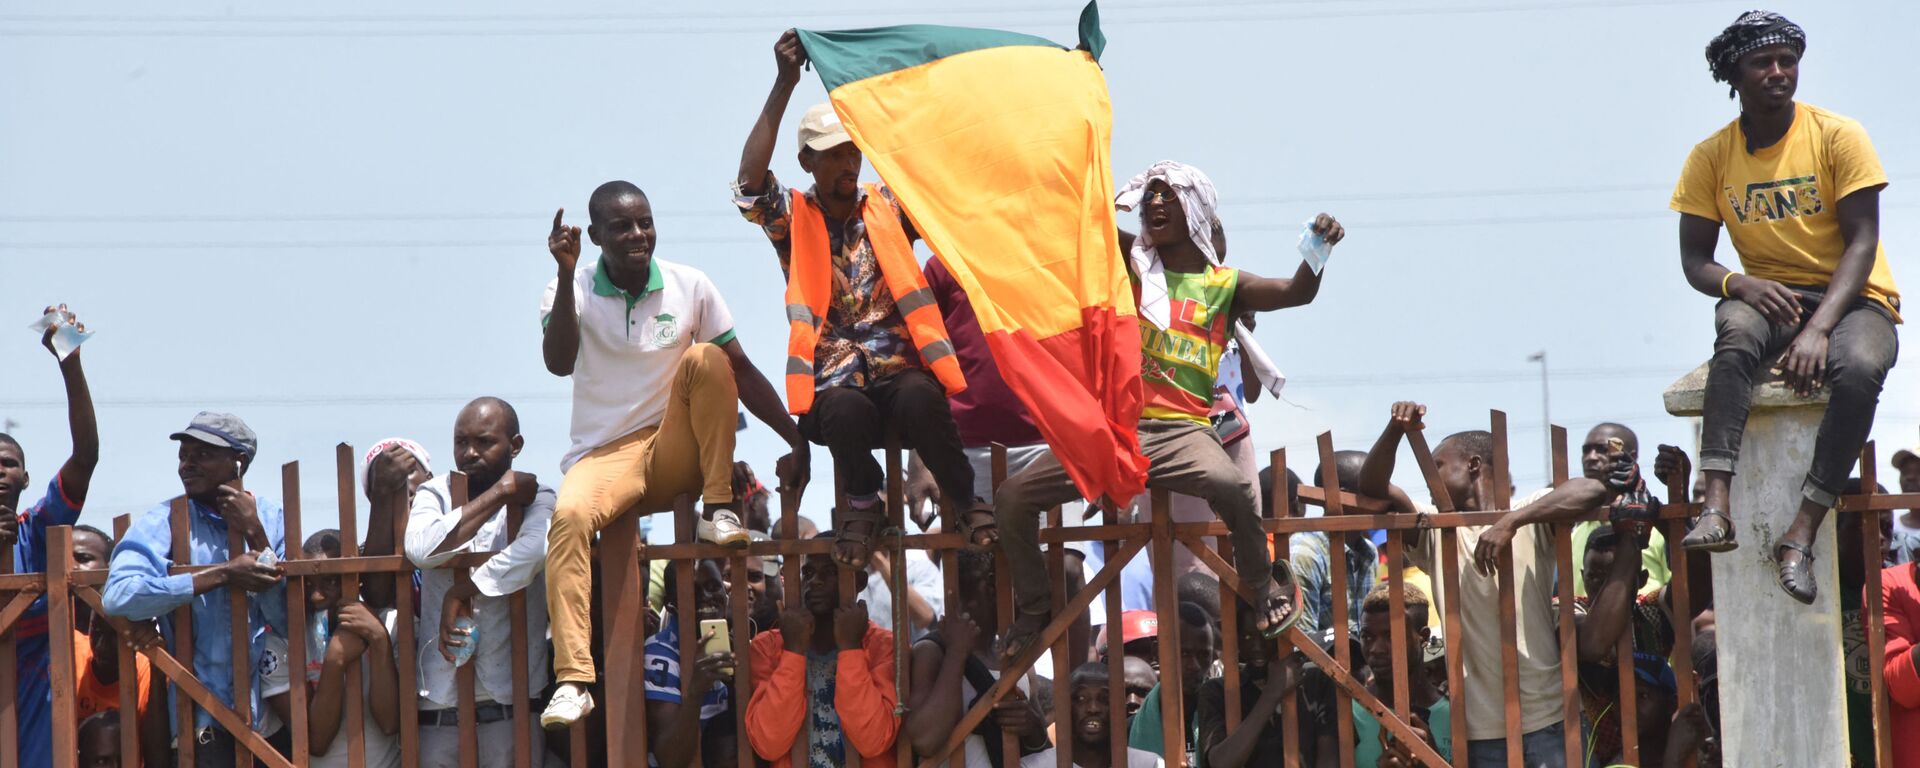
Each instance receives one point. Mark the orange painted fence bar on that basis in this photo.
(620, 737)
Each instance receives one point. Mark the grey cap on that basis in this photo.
(222, 429)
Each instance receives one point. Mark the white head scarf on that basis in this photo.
(1200, 202)
(366, 462)
(1198, 199)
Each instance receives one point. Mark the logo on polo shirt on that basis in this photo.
(665, 331)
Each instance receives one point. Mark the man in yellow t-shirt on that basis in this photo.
(1798, 188)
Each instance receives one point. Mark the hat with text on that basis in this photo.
(220, 429)
(821, 129)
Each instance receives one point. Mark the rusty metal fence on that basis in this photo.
(623, 561)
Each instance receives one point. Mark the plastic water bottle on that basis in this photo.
(470, 632)
(318, 631)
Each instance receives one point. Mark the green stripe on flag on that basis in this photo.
(857, 54)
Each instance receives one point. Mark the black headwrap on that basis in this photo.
(1752, 31)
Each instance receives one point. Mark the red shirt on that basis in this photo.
(1900, 598)
(986, 411)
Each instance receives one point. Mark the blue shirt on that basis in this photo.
(139, 587)
(1311, 556)
(33, 699)
(663, 672)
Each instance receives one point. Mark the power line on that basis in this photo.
(610, 24)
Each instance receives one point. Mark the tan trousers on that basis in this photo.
(690, 452)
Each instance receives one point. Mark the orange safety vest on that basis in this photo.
(810, 281)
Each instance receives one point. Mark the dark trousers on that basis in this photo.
(1860, 351)
(1184, 457)
(851, 423)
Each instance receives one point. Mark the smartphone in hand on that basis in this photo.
(714, 637)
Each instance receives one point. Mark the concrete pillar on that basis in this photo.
(1782, 695)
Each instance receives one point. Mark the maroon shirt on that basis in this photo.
(987, 411)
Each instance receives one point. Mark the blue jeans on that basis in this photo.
(1544, 748)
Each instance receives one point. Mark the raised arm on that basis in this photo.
(863, 692)
(1806, 360)
(788, 56)
(1612, 609)
(1236, 750)
(1265, 294)
(77, 474)
(778, 706)
(756, 393)
(934, 705)
(560, 335)
(1376, 475)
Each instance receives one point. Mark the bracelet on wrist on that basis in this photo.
(1723, 284)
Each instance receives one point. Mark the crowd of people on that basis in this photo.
(882, 346)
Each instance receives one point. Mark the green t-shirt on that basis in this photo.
(1179, 364)
(1366, 753)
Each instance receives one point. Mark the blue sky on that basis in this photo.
(329, 218)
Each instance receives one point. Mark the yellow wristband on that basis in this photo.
(1723, 283)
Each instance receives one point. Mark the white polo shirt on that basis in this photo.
(630, 347)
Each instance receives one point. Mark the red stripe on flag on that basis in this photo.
(1083, 390)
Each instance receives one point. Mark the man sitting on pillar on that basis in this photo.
(657, 380)
(867, 350)
(1798, 188)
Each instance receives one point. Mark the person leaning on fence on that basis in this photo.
(1090, 720)
(25, 530)
(1267, 674)
(1597, 455)
(216, 450)
(486, 440)
(674, 727)
(953, 667)
(867, 350)
(96, 659)
(1172, 263)
(1612, 570)
(1900, 601)
(1798, 189)
(1464, 463)
(342, 628)
(826, 672)
(658, 377)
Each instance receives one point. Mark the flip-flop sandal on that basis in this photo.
(980, 526)
(1022, 634)
(1797, 578)
(1293, 612)
(1710, 541)
(873, 518)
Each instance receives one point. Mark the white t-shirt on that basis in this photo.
(630, 347)
(382, 748)
(922, 575)
(1539, 636)
(1049, 757)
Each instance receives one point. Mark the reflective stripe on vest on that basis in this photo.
(810, 285)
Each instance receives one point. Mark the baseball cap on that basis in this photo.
(821, 129)
(1904, 455)
(1134, 625)
(221, 429)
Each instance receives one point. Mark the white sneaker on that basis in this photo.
(570, 703)
(724, 529)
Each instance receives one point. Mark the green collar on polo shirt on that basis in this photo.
(603, 282)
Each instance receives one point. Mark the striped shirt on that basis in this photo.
(663, 672)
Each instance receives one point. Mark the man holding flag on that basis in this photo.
(868, 350)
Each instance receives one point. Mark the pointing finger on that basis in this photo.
(557, 217)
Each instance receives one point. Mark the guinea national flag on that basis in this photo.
(997, 145)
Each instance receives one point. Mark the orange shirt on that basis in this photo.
(93, 695)
(863, 697)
